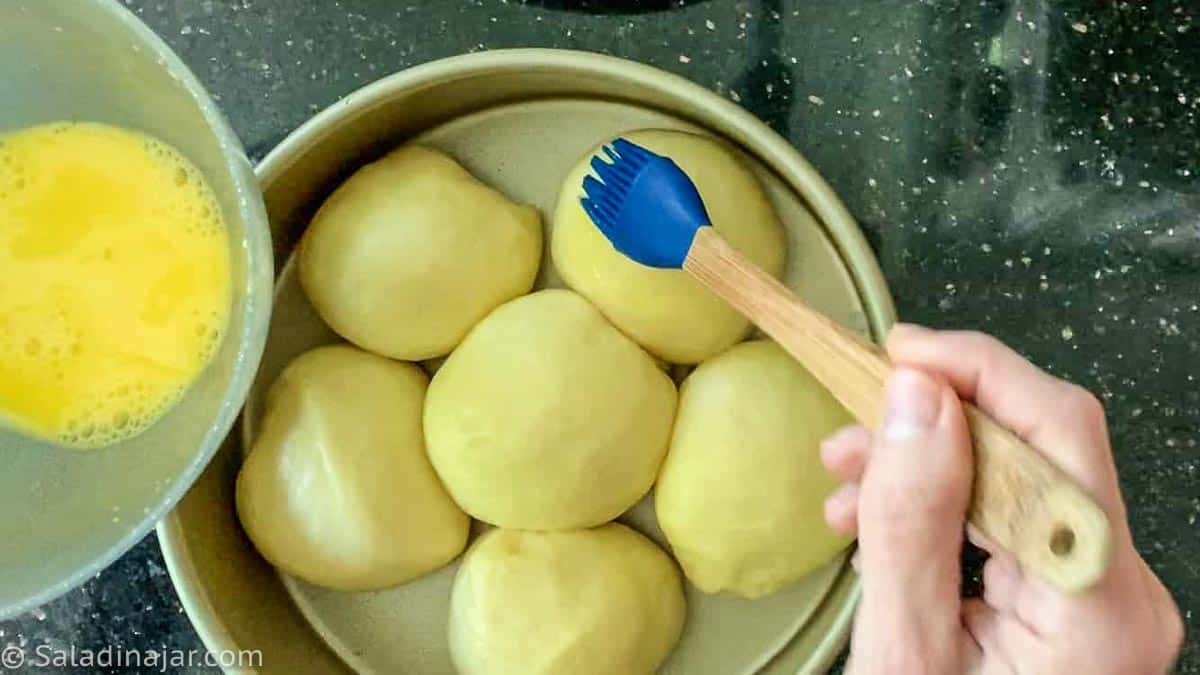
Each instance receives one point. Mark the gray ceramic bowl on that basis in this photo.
(68, 513)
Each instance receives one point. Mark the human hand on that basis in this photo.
(906, 492)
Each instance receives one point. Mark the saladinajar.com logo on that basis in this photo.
(32, 657)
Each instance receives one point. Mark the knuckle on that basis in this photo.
(1172, 640)
(985, 346)
(901, 657)
(898, 506)
(1059, 662)
(990, 354)
(908, 663)
(1084, 405)
(981, 339)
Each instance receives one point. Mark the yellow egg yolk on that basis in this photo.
(114, 281)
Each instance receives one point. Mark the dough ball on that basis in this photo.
(667, 311)
(411, 251)
(605, 601)
(337, 489)
(547, 418)
(741, 494)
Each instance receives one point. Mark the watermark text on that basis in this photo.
(17, 657)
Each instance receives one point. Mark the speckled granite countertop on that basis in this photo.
(1029, 168)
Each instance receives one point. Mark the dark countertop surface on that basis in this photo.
(1030, 168)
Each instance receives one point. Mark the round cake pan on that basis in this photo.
(518, 119)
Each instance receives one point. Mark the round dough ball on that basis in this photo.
(411, 251)
(584, 602)
(337, 489)
(741, 494)
(548, 418)
(667, 311)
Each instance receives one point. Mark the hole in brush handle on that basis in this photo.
(1030, 507)
(1062, 541)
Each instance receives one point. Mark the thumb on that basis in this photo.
(911, 509)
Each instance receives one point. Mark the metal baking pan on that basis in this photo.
(519, 120)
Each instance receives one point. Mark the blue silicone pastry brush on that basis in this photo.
(650, 211)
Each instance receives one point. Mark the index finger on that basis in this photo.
(1061, 420)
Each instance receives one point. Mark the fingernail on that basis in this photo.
(844, 499)
(828, 452)
(832, 444)
(912, 401)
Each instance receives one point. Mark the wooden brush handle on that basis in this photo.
(1019, 500)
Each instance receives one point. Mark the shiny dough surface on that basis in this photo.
(667, 311)
(546, 417)
(412, 250)
(584, 602)
(741, 494)
(337, 488)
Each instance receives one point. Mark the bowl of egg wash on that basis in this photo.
(135, 292)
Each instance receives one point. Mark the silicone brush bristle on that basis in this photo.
(604, 199)
(643, 203)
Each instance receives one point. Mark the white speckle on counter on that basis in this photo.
(684, 58)
(815, 100)
(1079, 27)
(1067, 333)
(708, 23)
(154, 569)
